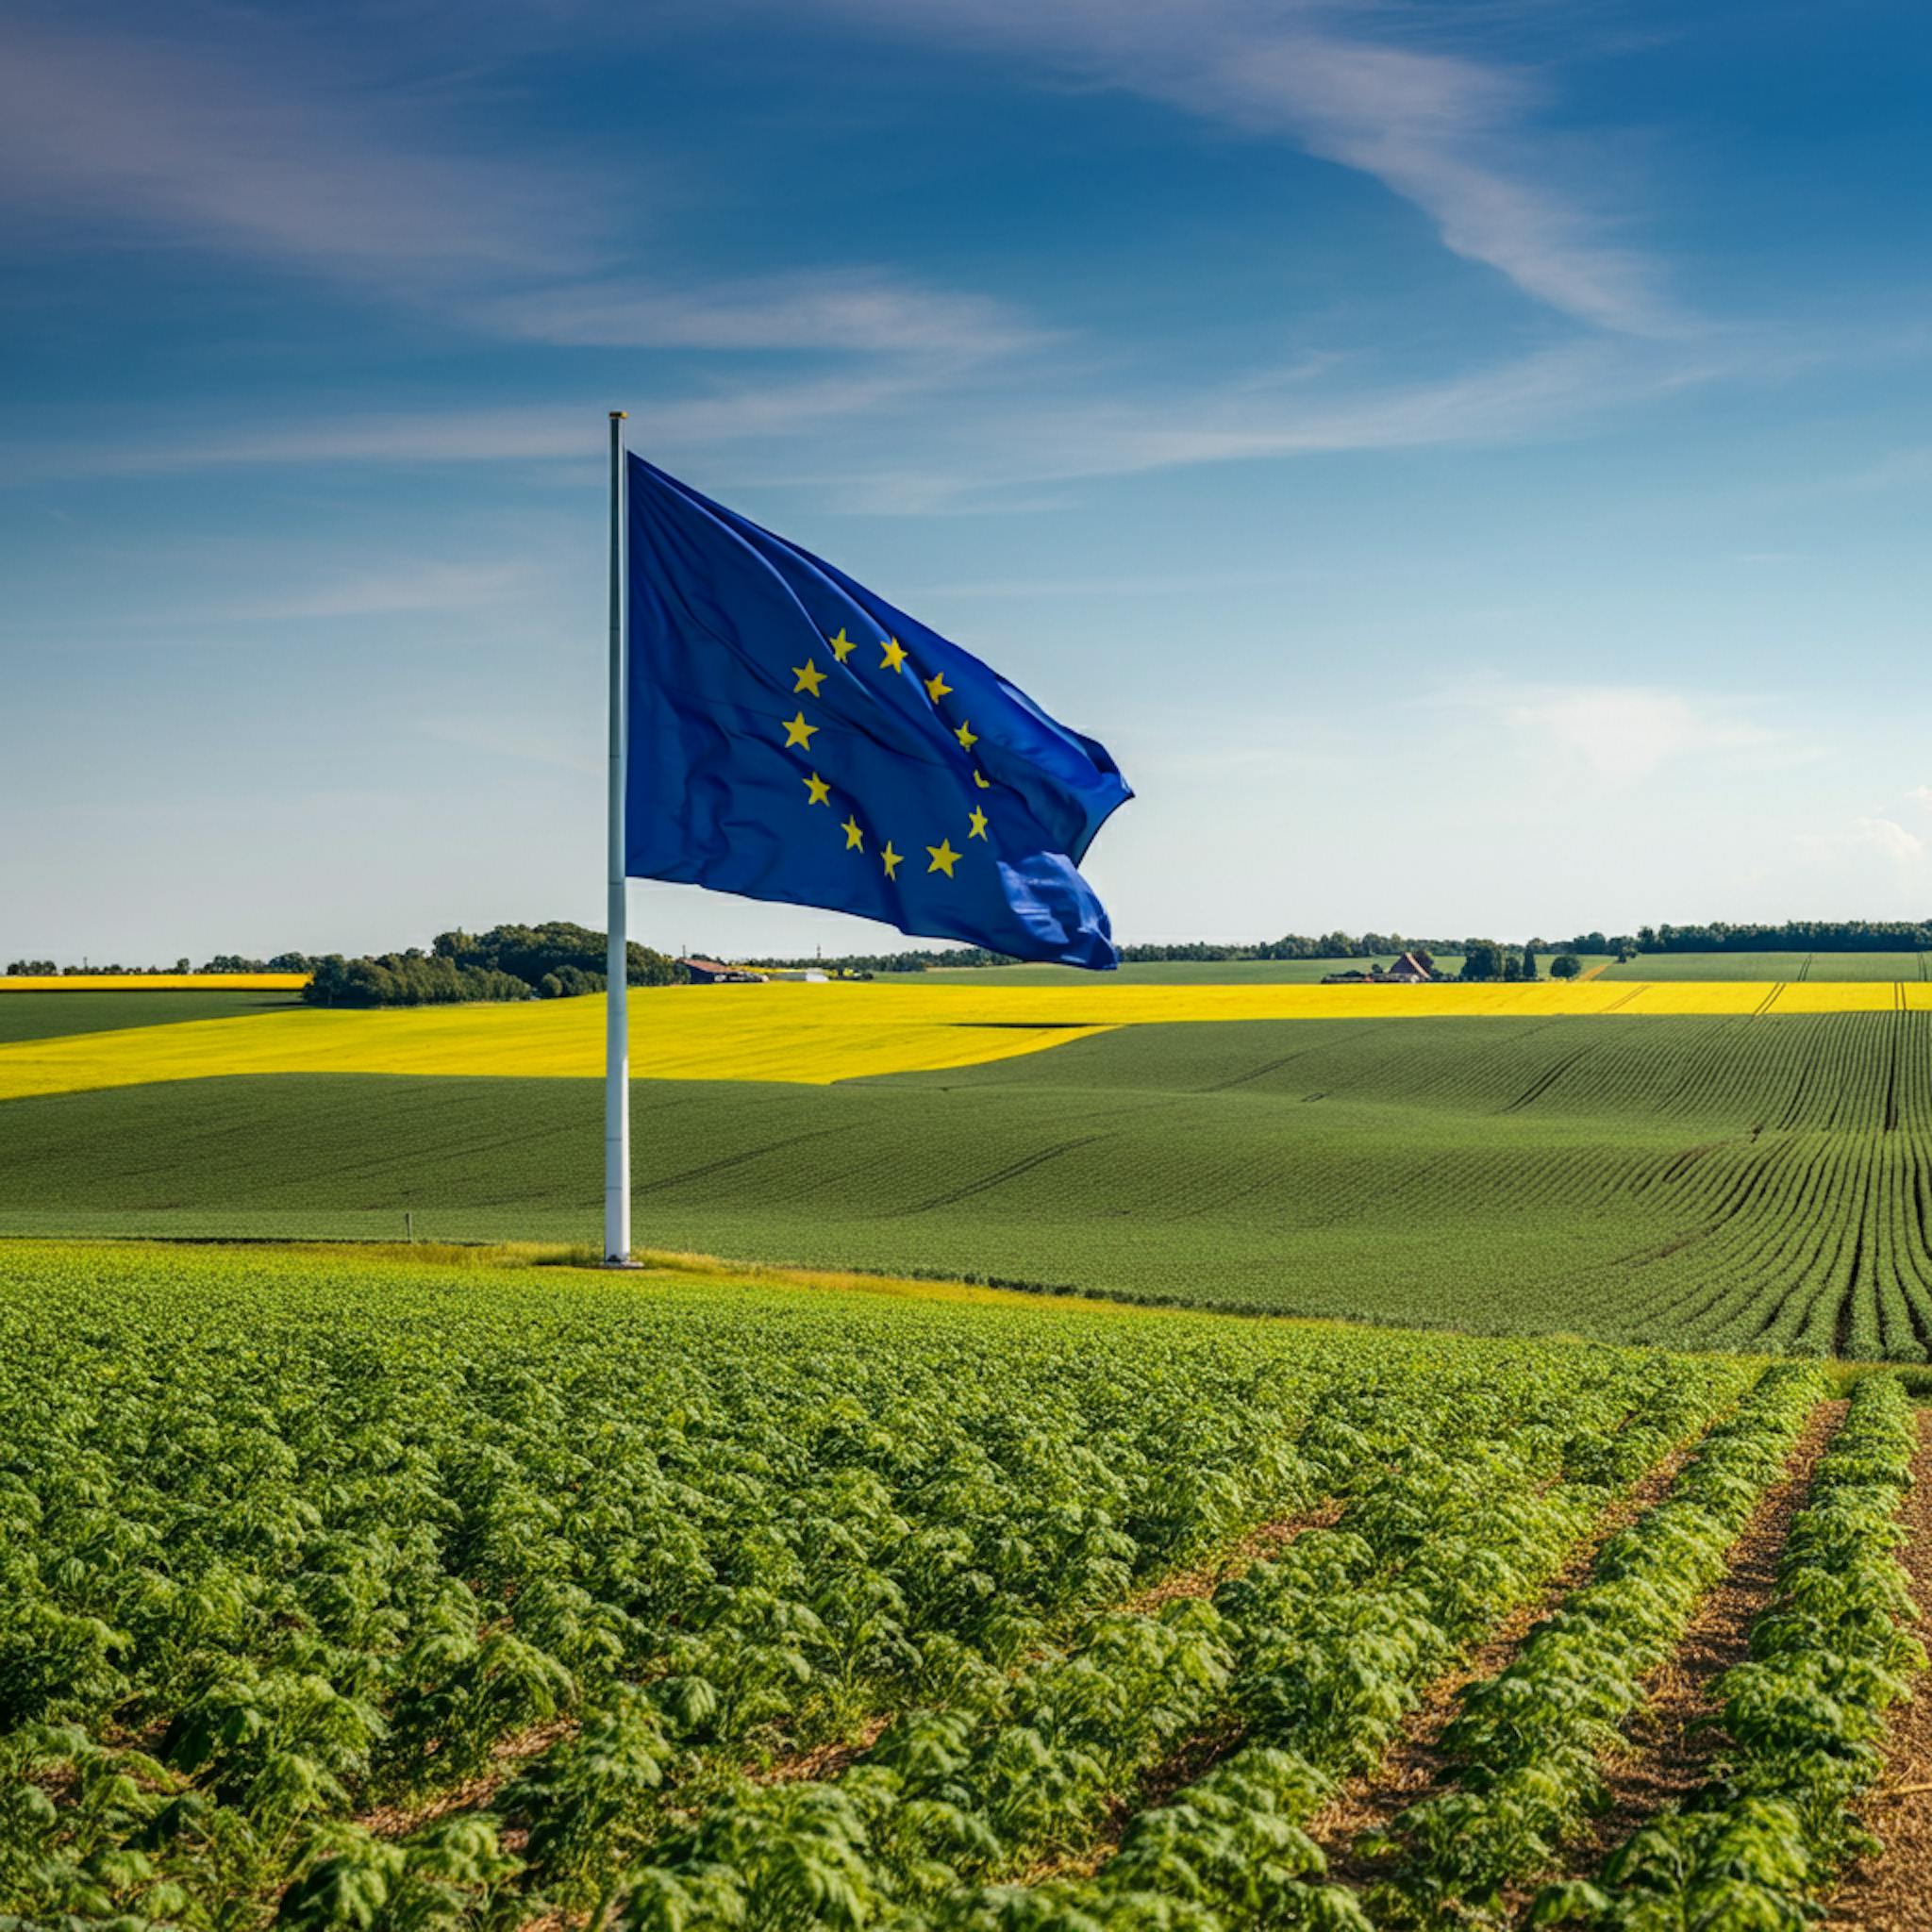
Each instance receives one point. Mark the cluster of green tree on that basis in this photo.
(234, 962)
(414, 978)
(1793, 936)
(1621, 945)
(1495, 959)
(1327, 945)
(557, 959)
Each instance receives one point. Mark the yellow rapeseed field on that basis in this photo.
(820, 1033)
(154, 982)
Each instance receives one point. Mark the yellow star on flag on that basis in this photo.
(818, 791)
(854, 836)
(943, 858)
(799, 732)
(978, 830)
(967, 736)
(808, 675)
(984, 783)
(843, 646)
(890, 858)
(937, 687)
(895, 659)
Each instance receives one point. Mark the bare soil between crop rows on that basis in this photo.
(1891, 1890)
(1671, 1739)
(1416, 1763)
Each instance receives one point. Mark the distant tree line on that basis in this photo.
(1333, 946)
(1793, 936)
(559, 959)
(555, 960)
(222, 962)
(906, 959)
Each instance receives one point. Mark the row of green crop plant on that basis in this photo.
(1527, 1747)
(1325, 1677)
(328, 1536)
(1326, 1644)
(1802, 1720)
(328, 1572)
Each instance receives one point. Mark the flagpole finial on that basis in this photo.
(619, 415)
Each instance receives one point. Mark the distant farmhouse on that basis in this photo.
(1407, 970)
(713, 973)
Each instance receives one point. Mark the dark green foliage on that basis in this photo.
(1485, 959)
(555, 960)
(1794, 935)
(332, 1536)
(406, 979)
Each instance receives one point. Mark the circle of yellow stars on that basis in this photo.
(799, 730)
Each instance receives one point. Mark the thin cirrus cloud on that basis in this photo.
(996, 445)
(524, 433)
(839, 309)
(1248, 420)
(1453, 135)
(378, 192)
(217, 149)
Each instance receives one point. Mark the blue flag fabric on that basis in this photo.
(794, 737)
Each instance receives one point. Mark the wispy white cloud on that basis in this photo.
(1002, 447)
(836, 309)
(380, 593)
(1452, 135)
(990, 446)
(545, 432)
(222, 149)
(252, 151)
(1623, 733)
(1921, 794)
(1871, 837)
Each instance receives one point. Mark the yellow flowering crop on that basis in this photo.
(156, 982)
(820, 1033)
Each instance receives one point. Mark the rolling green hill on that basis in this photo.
(1735, 1181)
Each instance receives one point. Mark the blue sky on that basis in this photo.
(1470, 462)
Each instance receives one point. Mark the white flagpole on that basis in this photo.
(617, 959)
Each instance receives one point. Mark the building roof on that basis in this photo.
(717, 968)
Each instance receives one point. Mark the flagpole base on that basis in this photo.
(619, 1263)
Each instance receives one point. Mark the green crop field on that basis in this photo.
(1762, 1183)
(48, 1015)
(381, 1593)
(1790, 967)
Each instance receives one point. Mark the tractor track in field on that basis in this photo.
(1416, 1764)
(1671, 1739)
(1887, 1891)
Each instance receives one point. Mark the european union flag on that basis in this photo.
(794, 737)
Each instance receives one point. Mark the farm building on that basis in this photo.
(1407, 970)
(713, 973)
